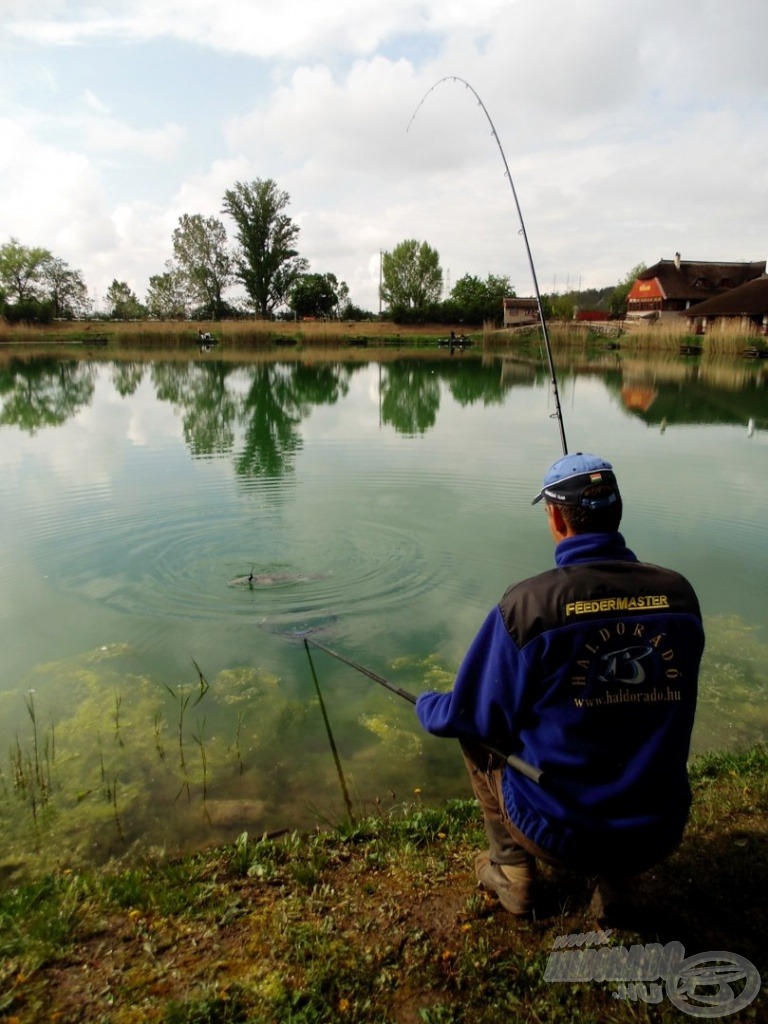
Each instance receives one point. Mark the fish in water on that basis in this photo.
(276, 579)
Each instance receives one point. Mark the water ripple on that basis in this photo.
(178, 564)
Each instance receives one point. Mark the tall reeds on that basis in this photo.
(724, 337)
(183, 699)
(31, 767)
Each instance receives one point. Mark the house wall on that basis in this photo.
(645, 295)
(520, 311)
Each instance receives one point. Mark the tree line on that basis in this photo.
(263, 259)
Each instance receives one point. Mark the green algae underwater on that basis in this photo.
(102, 762)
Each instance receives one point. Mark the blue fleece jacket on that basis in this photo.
(589, 672)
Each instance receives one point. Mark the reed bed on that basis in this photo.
(248, 340)
(722, 338)
(233, 333)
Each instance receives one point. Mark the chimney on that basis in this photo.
(677, 261)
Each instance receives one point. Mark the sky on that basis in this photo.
(631, 131)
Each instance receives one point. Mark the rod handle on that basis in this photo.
(536, 775)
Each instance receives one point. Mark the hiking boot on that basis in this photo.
(611, 899)
(512, 883)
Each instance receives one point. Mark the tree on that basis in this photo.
(318, 295)
(22, 271)
(204, 262)
(29, 311)
(618, 301)
(40, 285)
(561, 307)
(267, 262)
(477, 301)
(166, 295)
(66, 289)
(411, 275)
(122, 303)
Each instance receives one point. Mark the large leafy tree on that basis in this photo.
(318, 295)
(167, 295)
(411, 275)
(22, 271)
(203, 262)
(37, 285)
(267, 261)
(66, 289)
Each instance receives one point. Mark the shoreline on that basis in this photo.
(375, 920)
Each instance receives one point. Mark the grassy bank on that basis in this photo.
(237, 335)
(244, 336)
(376, 920)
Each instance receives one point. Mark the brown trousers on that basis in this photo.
(507, 845)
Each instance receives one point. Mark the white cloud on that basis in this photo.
(50, 196)
(290, 30)
(92, 102)
(630, 133)
(106, 134)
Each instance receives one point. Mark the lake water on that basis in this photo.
(383, 508)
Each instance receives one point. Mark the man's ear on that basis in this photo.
(557, 523)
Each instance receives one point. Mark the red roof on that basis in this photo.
(644, 289)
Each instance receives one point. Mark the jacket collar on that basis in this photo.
(593, 547)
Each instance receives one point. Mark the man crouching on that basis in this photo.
(589, 672)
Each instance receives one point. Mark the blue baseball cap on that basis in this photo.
(568, 478)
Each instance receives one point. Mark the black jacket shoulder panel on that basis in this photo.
(572, 594)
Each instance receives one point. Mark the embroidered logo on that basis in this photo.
(624, 666)
(637, 673)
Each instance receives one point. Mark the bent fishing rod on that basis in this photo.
(558, 413)
(534, 774)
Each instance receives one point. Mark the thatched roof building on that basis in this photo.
(748, 303)
(672, 286)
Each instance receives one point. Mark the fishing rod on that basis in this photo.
(534, 774)
(558, 413)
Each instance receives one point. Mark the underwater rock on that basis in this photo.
(234, 812)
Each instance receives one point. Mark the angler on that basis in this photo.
(567, 695)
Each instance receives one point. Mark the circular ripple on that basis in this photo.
(179, 564)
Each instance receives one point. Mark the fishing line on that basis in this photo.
(558, 414)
